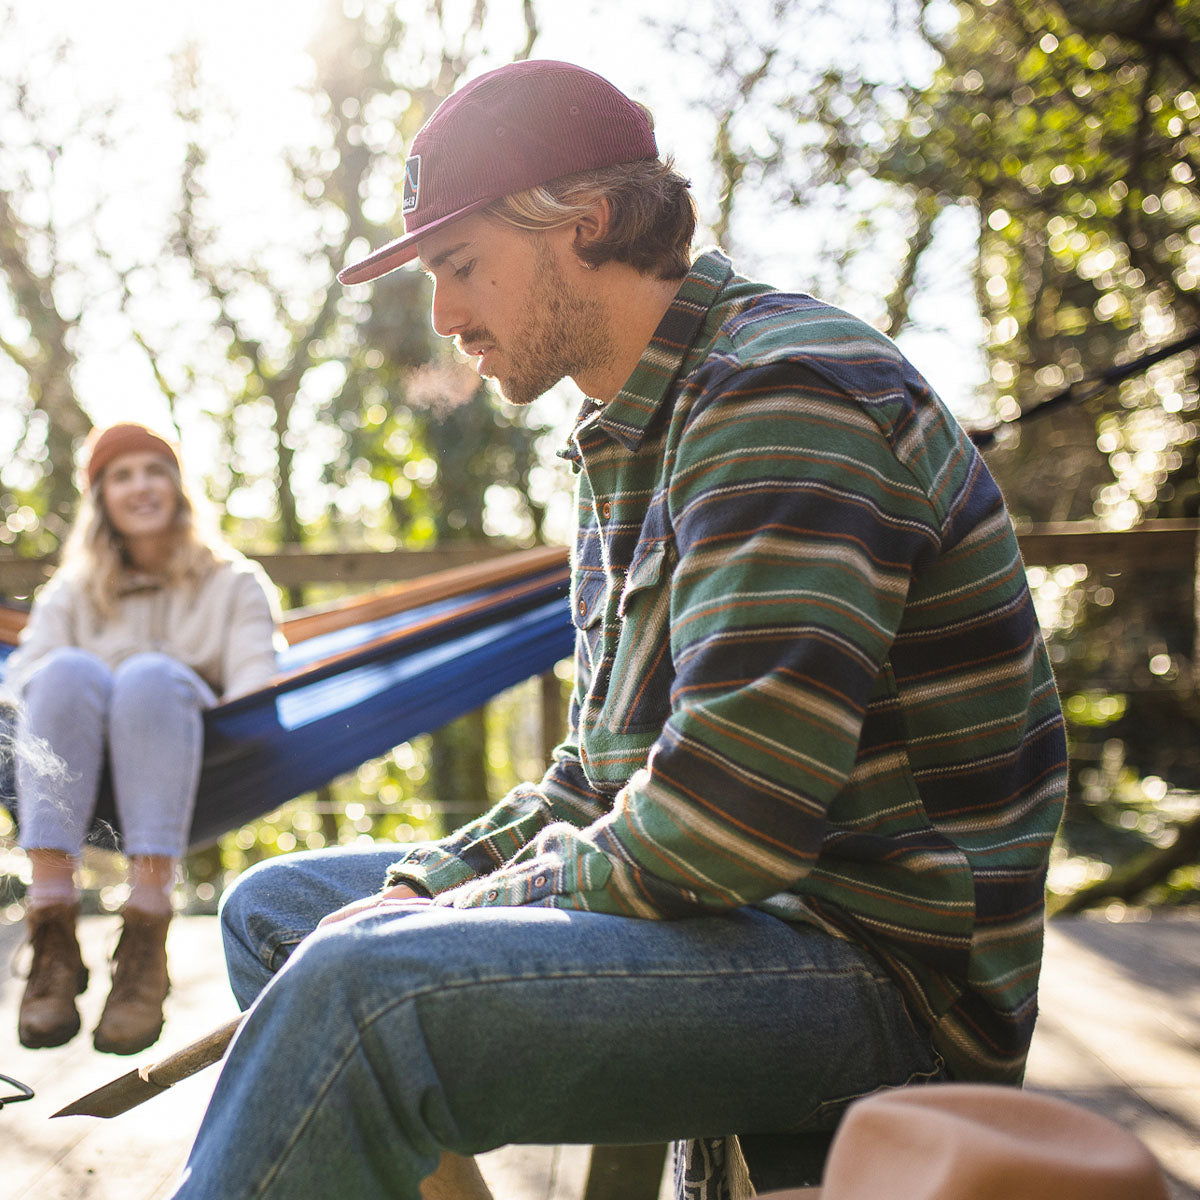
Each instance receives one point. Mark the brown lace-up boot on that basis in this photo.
(48, 1016)
(132, 1017)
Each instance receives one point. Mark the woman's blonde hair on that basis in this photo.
(651, 214)
(94, 552)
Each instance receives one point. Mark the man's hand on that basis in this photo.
(400, 896)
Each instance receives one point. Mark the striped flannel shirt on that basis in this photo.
(808, 674)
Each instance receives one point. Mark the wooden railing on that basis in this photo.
(1154, 543)
(294, 565)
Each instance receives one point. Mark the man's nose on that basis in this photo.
(449, 313)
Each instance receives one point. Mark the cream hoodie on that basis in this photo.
(225, 629)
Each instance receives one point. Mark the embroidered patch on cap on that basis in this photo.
(412, 184)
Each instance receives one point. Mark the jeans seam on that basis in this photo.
(364, 1024)
(308, 1114)
(417, 994)
(838, 1102)
(584, 973)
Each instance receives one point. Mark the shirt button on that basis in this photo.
(540, 881)
(493, 895)
(606, 510)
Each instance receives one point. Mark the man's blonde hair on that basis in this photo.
(652, 217)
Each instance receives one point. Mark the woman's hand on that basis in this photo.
(400, 896)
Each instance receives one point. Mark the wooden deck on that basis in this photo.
(1119, 1032)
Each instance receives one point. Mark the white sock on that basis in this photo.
(56, 889)
(151, 882)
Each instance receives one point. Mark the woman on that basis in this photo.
(146, 623)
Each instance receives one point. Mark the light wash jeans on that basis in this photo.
(144, 719)
(379, 1042)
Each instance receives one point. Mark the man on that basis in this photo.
(793, 849)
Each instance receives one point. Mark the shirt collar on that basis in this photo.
(628, 415)
(131, 581)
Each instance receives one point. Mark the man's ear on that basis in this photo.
(592, 226)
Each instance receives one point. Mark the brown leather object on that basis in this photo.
(961, 1141)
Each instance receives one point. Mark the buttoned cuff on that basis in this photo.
(547, 880)
(428, 870)
(514, 886)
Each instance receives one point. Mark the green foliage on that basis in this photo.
(322, 416)
(1122, 649)
(1071, 129)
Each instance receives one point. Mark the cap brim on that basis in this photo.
(403, 249)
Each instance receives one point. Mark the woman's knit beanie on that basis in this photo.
(103, 445)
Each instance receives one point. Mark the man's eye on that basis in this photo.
(465, 270)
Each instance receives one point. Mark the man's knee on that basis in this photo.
(247, 901)
(268, 911)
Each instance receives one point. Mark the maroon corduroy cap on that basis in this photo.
(511, 129)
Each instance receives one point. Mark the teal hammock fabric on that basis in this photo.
(350, 695)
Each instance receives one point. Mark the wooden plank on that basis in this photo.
(1119, 1028)
(1173, 1145)
(12, 621)
(496, 570)
(136, 1156)
(536, 1172)
(295, 565)
(1133, 987)
(1169, 543)
(626, 1172)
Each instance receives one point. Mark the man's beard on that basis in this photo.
(564, 334)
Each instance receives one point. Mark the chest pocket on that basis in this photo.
(639, 689)
(587, 609)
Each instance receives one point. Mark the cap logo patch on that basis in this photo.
(412, 184)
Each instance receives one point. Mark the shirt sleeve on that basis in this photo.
(500, 835)
(795, 530)
(252, 638)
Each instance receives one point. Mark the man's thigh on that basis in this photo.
(548, 1026)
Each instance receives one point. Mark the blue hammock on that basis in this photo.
(355, 692)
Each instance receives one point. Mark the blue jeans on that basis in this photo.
(144, 718)
(379, 1042)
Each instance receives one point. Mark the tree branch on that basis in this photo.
(1137, 877)
(927, 209)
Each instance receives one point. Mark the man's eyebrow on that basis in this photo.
(437, 260)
